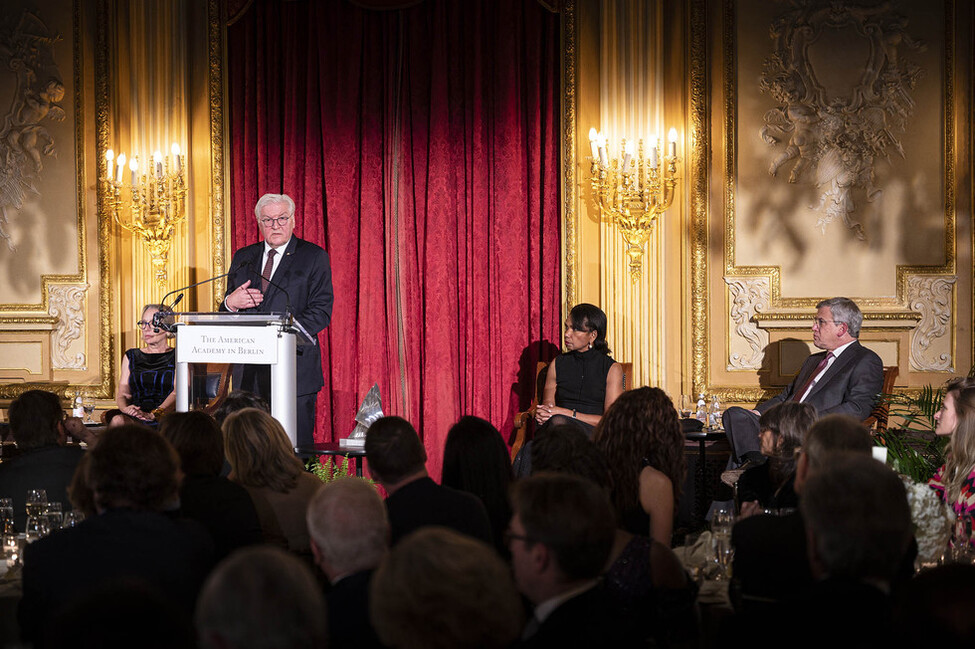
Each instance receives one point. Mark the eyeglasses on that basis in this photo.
(819, 322)
(510, 536)
(267, 222)
(142, 324)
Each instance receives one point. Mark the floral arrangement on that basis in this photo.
(932, 518)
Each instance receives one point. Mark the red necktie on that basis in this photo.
(812, 377)
(268, 268)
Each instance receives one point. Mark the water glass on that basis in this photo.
(11, 550)
(6, 510)
(37, 528)
(722, 521)
(53, 514)
(72, 519)
(36, 502)
(686, 406)
(962, 550)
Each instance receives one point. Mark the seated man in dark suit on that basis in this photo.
(36, 421)
(132, 473)
(349, 537)
(397, 460)
(560, 538)
(770, 551)
(844, 379)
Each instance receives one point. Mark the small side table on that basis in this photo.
(702, 437)
(333, 448)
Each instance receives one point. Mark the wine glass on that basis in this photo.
(53, 514)
(36, 502)
(686, 405)
(72, 519)
(37, 528)
(89, 407)
(6, 510)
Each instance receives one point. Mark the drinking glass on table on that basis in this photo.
(37, 528)
(686, 406)
(53, 514)
(36, 502)
(72, 519)
(6, 510)
(721, 523)
(11, 549)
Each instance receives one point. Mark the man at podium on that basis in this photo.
(284, 273)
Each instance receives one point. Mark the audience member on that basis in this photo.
(476, 460)
(645, 576)
(44, 462)
(349, 537)
(560, 539)
(238, 400)
(133, 476)
(771, 485)
(397, 460)
(955, 480)
(858, 526)
(223, 507)
(771, 561)
(438, 589)
(263, 461)
(643, 443)
(261, 598)
(937, 608)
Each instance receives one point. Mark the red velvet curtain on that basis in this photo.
(421, 146)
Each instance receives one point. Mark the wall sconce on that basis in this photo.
(633, 192)
(151, 205)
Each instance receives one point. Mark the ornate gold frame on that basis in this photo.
(570, 270)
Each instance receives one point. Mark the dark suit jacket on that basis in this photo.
(348, 613)
(849, 387)
(224, 508)
(171, 556)
(50, 468)
(590, 619)
(770, 558)
(423, 502)
(304, 275)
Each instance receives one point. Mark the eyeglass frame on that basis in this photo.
(267, 221)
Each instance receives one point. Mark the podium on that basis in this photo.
(241, 338)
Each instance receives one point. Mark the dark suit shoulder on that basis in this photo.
(423, 502)
(592, 618)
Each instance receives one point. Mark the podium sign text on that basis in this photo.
(203, 344)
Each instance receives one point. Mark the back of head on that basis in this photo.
(438, 589)
(261, 598)
(259, 451)
(935, 608)
(238, 400)
(572, 516)
(835, 434)
(197, 439)
(394, 450)
(132, 467)
(34, 419)
(857, 519)
(844, 310)
(789, 422)
(348, 524)
(475, 458)
(641, 428)
(564, 448)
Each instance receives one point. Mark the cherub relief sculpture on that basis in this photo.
(27, 50)
(838, 137)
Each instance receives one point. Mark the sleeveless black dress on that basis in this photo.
(151, 377)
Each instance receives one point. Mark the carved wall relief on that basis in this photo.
(27, 49)
(67, 303)
(931, 297)
(749, 295)
(833, 137)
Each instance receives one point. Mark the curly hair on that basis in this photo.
(641, 428)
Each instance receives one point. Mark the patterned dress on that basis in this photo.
(966, 496)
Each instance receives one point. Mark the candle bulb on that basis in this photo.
(601, 146)
(673, 142)
(134, 167)
(653, 156)
(593, 147)
(109, 158)
(627, 156)
(176, 159)
(157, 158)
(121, 167)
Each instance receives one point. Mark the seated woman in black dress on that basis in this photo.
(583, 382)
(771, 485)
(145, 387)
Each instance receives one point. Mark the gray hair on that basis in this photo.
(835, 434)
(347, 520)
(844, 310)
(274, 199)
(858, 518)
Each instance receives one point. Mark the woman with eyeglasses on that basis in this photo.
(955, 480)
(145, 388)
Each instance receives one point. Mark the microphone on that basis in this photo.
(158, 321)
(287, 296)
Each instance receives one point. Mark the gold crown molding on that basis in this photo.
(28, 320)
(570, 278)
(791, 316)
(700, 146)
(774, 273)
(216, 37)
